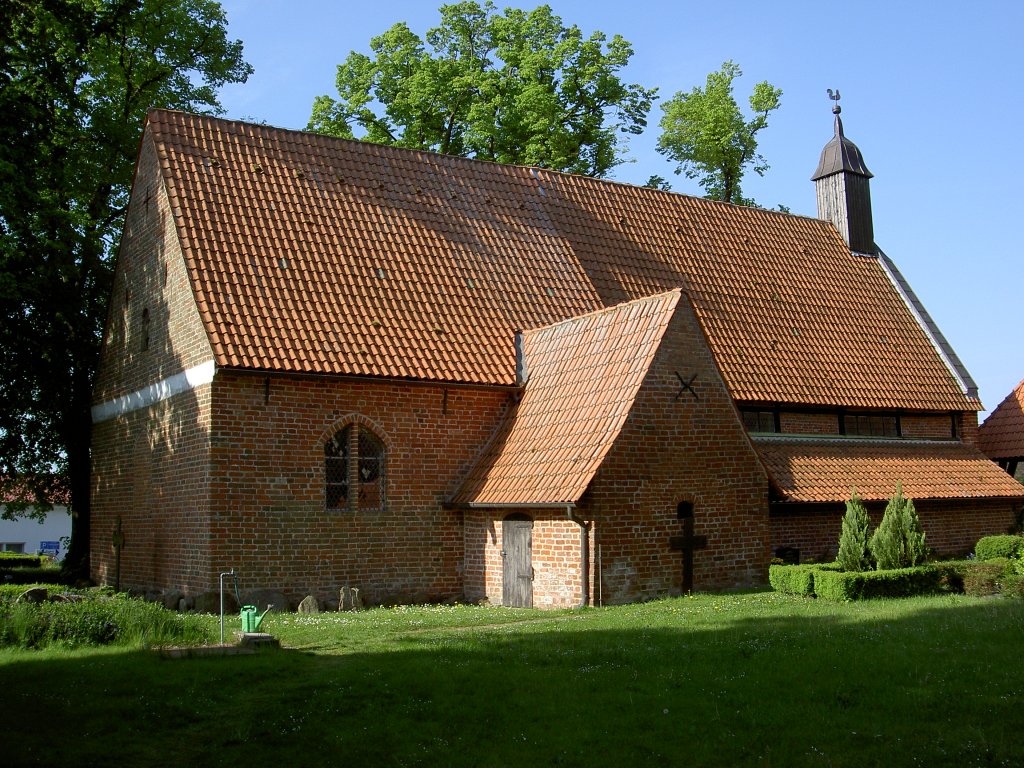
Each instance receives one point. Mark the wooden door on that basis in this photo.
(517, 557)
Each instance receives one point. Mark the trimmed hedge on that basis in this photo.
(897, 582)
(792, 579)
(991, 547)
(797, 579)
(983, 578)
(19, 560)
(970, 577)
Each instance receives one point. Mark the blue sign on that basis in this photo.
(51, 548)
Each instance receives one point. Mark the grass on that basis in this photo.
(757, 679)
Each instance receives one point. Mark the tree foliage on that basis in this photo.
(706, 134)
(899, 540)
(76, 80)
(515, 87)
(854, 553)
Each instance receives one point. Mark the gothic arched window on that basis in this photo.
(354, 459)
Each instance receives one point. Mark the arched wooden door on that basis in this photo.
(517, 561)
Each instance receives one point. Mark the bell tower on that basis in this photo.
(843, 187)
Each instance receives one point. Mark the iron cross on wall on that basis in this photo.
(687, 543)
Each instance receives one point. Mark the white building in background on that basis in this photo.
(47, 536)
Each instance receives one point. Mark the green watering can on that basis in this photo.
(250, 620)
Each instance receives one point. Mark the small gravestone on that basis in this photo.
(309, 604)
(171, 598)
(263, 598)
(350, 599)
(209, 602)
(34, 595)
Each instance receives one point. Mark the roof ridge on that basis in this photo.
(621, 306)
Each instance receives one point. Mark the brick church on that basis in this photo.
(332, 363)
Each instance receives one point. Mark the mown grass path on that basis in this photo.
(756, 679)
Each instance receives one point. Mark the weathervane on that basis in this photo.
(835, 97)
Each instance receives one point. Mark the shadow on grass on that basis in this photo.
(673, 683)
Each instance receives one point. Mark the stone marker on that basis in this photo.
(34, 595)
(309, 604)
(350, 599)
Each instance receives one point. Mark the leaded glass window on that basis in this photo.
(336, 464)
(354, 459)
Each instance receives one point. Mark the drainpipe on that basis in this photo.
(584, 556)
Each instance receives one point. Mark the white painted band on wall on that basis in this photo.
(143, 398)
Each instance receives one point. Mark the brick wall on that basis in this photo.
(675, 449)
(936, 426)
(555, 557)
(150, 467)
(149, 277)
(809, 423)
(268, 516)
(951, 527)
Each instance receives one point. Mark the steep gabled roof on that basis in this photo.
(824, 470)
(309, 254)
(584, 375)
(1002, 434)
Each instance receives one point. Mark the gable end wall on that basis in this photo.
(150, 465)
(676, 447)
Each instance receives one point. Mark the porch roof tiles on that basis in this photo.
(584, 375)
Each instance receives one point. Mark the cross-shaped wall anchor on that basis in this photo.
(686, 386)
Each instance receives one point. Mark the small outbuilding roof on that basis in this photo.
(1001, 436)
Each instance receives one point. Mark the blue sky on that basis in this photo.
(932, 95)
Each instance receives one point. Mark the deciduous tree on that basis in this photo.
(515, 87)
(705, 132)
(76, 80)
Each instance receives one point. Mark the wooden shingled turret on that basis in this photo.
(843, 187)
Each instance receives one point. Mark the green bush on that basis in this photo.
(97, 621)
(797, 579)
(854, 554)
(951, 574)
(792, 579)
(898, 582)
(1012, 586)
(991, 547)
(982, 578)
(19, 560)
(899, 541)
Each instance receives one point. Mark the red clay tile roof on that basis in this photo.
(828, 470)
(583, 376)
(1002, 434)
(313, 254)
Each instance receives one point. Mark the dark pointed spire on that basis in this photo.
(840, 154)
(844, 196)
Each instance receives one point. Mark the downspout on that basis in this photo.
(584, 556)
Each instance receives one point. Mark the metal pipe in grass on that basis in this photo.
(228, 573)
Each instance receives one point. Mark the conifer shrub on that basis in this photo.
(913, 534)
(991, 547)
(899, 540)
(854, 553)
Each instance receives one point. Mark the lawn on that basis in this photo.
(755, 679)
